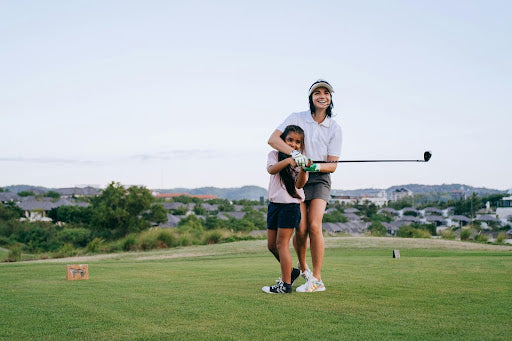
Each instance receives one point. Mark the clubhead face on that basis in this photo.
(427, 155)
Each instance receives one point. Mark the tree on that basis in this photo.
(52, 194)
(117, 211)
(157, 214)
(377, 229)
(9, 211)
(71, 214)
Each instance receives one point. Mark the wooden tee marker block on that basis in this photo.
(396, 253)
(77, 272)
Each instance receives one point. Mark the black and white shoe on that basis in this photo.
(279, 288)
(295, 274)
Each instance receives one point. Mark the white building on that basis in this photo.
(504, 208)
(399, 194)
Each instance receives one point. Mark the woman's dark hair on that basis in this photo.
(313, 109)
(287, 174)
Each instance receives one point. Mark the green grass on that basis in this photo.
(437, 290)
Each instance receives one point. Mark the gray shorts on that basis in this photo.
(318, 186)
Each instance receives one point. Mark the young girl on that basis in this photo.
(285, 195)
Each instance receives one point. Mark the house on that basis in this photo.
(393, 226)
(431, 210)
(36, 210)
(389, 211)
(504, 208)
(343, 199)
(435, 219)
(8, 196)
(352, 228)
(400, 193)
(172, 221)
(78, 192)
(458, 220)
(352, 216)
(405, 210)
(209, 207)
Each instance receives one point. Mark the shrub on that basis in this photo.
(147, 241)
(129, 243)
(448, 234)
(212, 237)
(481, 238)
(167, 238)
(411, 232)
(185, 240)
(14, 254)
(65, 250)
(465, 233)
(377, 229)
(500, 239)
(96, 245)
(76, 236)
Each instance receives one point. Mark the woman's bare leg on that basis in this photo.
(315, 214)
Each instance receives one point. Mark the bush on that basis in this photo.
(481, 238)
(129, 243)
(96, 245)
(377, 229)
(448, 234)
(500, 239)
(76, 236)
(167, 238)
(212, 237)
(411, 232)
(14, 254)
(65, 250)
(465, 233)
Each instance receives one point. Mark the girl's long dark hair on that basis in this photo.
(287, 174)
(313, 109)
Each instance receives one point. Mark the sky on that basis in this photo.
(168, 94)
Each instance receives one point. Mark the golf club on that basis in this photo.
(426, 157)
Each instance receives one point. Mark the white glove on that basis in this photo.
(299, 159)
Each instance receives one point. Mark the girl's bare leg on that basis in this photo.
(300, 239)
(272, 243)
(283, 245)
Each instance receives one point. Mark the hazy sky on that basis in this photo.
(186, 93)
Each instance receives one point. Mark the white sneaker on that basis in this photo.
(311, 285)
(306, 274)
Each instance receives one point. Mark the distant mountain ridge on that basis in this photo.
(255, 192)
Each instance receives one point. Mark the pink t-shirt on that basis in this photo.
(276, 190)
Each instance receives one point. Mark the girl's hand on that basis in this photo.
(292, 162)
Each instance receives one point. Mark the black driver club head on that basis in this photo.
(427, 155)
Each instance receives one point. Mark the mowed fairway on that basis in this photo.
(437, 290)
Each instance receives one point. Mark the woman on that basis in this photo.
(322, 141)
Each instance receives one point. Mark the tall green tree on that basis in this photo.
(118, 211)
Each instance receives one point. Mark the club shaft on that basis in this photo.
(346, 161)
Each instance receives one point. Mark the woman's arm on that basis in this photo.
(277, 167)
(276, 142)
(330, 167)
